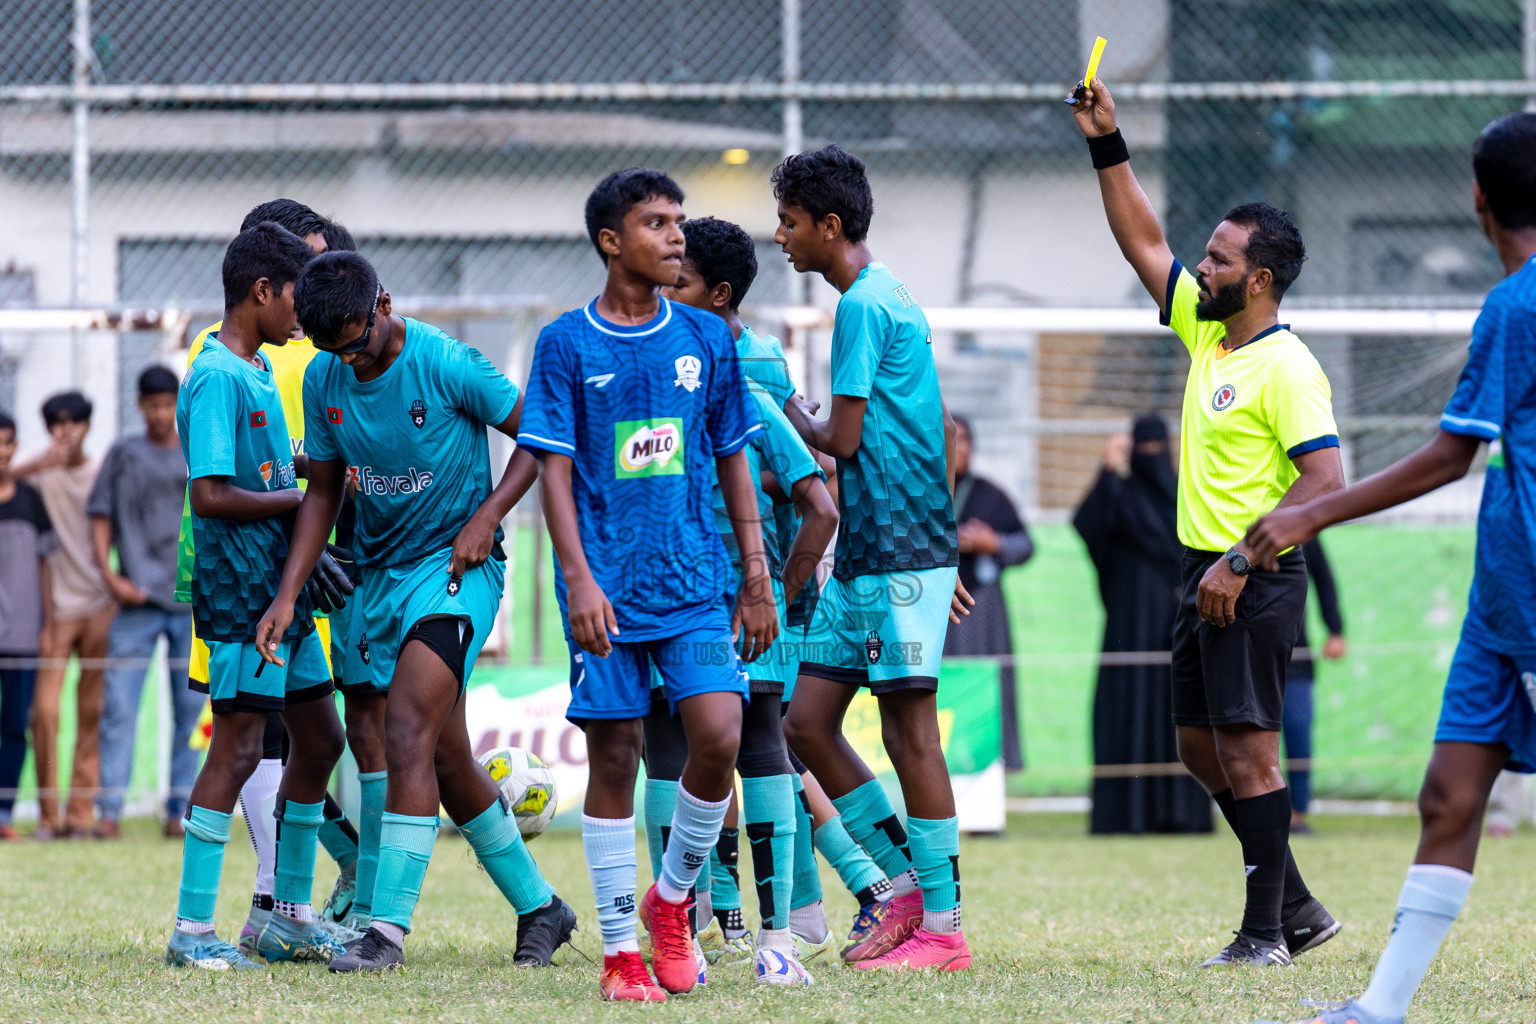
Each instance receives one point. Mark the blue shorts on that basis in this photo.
(351, 660)
(235, 686)
(702, 660)
(884, 630)
(1490, 698)
(395, 599)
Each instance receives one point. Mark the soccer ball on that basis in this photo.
(526, 783)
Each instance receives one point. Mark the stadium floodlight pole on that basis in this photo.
(794, 126)
(80, 171)
(1530, 53)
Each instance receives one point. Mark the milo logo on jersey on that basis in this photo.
(368, 480)
(644, 448)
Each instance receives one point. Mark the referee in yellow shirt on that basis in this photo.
(1257, 432)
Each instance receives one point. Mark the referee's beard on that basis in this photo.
(1228, 301)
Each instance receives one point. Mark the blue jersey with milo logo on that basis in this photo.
(229, 416)
(897, 511)
(1493, 402)
(414, 440)
(643, 412)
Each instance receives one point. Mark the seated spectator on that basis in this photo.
(81, 617)
(137, 506)
(26, 538)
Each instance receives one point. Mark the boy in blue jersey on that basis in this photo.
(1488, 714)
(397, 410)
(243, 483)
(630, 401)
(718, 268)
(883, 615)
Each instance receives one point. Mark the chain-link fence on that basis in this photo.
(458, 140)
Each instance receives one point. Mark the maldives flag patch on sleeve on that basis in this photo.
(259, 418)
(333, 414)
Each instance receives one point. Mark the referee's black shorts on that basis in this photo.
(1226, 675)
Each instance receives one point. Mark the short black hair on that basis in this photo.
(621, 192)
(1274, 242)
(290, 213)
(157, 380)
(721, 251)
(828, 180)
(6, 423)
(336, 289)
(67, 405)
(338, 238)
(1504, 163)
(267, 250)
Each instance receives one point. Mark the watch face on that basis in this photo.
(1239, 563)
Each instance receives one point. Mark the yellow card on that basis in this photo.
(1093, 60)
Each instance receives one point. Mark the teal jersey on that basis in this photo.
(414, 440)
(764, 363)
(230, 418)
(779, 450)
(897, 511)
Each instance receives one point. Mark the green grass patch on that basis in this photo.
(1065, 928)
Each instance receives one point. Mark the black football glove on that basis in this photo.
(328, 585)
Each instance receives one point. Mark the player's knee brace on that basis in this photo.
(666, 744)
(762, 739)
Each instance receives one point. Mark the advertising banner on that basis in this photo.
(524, 706)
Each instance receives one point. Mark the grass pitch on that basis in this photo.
(1065, 928)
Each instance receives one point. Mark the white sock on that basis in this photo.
(942, 922)
(194, 927)
(775, 938)
(258, 804)
(303, 913)
(703, 903)
(904, 883)
(393, 932)
(1430, 902)
(810, 922)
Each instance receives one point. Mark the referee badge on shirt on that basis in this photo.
(1222, 400)
(418, 413)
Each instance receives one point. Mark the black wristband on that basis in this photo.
(1108, 150)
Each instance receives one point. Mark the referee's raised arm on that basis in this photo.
(1131, 217)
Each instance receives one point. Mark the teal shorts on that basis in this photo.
(775, 671)
(884, 630)
(395, 599)
(235, 685)
(351, 659)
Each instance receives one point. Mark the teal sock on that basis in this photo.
(1430, 901)
(807, 879)
(202, 862)
(405, 847)
(496, 841)
(936, 856)
(768, 806)
(660, 804)
(724, 878)
(372, 786)
(858, 872)
(298, 828)
(873, 824)
(340, 840)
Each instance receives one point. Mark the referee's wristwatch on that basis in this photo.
(1238, 562)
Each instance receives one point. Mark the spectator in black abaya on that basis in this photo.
(1296, 725)
(992, 538)
(1128, 523)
